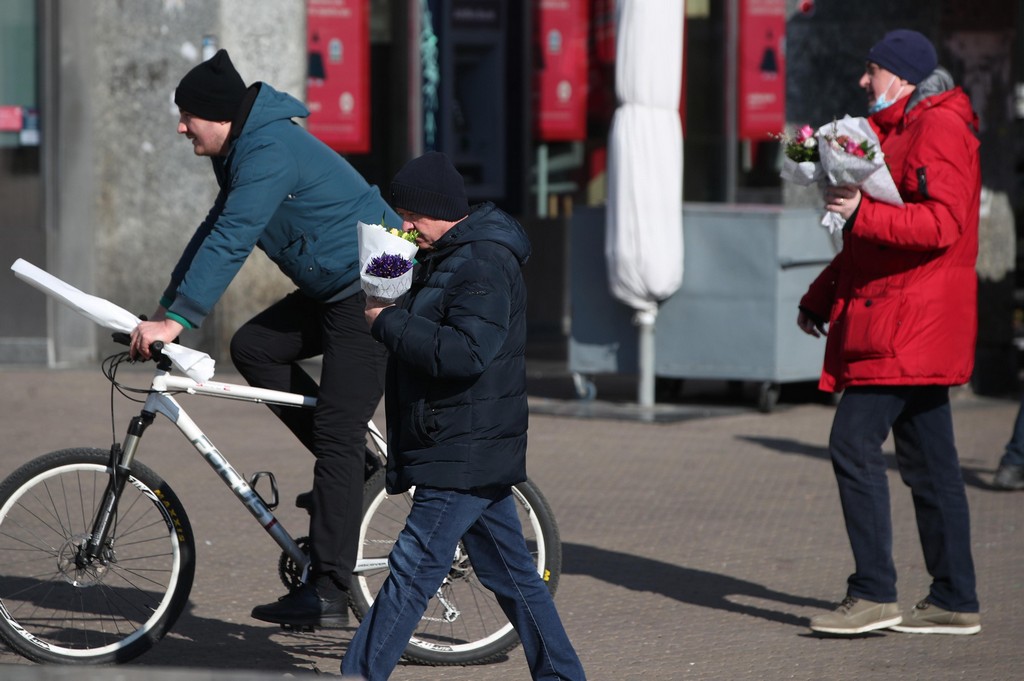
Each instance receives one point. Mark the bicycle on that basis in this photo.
(97, 554)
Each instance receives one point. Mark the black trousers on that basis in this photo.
(921, 423)
(266, 351)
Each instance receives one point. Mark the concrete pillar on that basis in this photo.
(129, 191)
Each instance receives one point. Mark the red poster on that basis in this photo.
(762, 69)
(338, 85)
(561, 77)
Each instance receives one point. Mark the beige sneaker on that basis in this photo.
(928, 618)
(857, 616)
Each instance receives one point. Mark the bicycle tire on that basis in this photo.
(480, 633)
(52, 610)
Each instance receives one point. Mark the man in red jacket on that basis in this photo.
(900, 306)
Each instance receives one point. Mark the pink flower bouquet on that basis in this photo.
(802, 162)
(851, 156)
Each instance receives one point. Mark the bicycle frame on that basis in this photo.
(62, 607)
(161, 401)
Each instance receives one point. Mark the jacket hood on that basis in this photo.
(935, 91)
(486, 222)
(937, 82)
(269, 105)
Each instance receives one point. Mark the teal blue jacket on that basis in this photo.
(286, 192)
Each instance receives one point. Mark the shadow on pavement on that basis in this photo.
(687, 585)
(788, 446)
(216, 644)
(972, 474)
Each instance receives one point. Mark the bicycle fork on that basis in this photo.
(121, 458)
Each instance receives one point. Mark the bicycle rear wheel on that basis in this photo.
(463, 623)
(57, 607)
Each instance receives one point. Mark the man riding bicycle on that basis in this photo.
(284, 191)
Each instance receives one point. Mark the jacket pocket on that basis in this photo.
(424, 423)
(291, 255)
(434, 425)
(300, 261)
(870, 326)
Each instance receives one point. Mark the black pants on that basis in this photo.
(265, 351)
(921, 423)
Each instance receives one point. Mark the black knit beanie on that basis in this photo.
(431, 186)
(907, 54)
(212, 90)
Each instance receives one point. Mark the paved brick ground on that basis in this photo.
(694, 548)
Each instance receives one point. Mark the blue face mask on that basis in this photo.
(881, 102)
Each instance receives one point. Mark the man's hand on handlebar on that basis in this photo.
(146, 333)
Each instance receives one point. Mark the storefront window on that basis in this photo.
(19, 113)
(22, 314)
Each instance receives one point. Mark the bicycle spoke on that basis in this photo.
(60, 605)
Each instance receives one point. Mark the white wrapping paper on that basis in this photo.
(374, 241)
(844, 169)
(803, 173)
(386, 289)
(197, 365)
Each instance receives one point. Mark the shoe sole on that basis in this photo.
(938, 629)
(321, 623)
(874, 626)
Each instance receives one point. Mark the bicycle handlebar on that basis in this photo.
(123, 338)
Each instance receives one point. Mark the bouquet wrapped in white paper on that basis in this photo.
(803, 173)
(802, 162)
(385, 261)
(851, 156)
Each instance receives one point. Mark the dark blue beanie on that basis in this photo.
(907, 54)
(430, 186)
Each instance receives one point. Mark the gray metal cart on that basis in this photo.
(733, 318)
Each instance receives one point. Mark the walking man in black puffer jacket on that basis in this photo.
(457, 417)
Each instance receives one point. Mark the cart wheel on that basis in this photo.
(768, 396)
(585, 388)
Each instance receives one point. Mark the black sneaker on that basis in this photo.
(1009, 477)
(305, 607)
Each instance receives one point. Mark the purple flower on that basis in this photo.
(388, 266)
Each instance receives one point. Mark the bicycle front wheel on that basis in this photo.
(56, 605)
(463, 623)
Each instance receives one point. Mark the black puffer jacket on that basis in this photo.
(456, 385)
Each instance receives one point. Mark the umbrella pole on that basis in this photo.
(645, 320)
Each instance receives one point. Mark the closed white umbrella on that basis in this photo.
(644, 227)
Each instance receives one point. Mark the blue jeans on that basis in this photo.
(1014, 455)
(922, 426)
(487, 523)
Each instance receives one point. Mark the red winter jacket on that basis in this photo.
(901, 296)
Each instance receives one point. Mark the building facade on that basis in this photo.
(96, 187)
